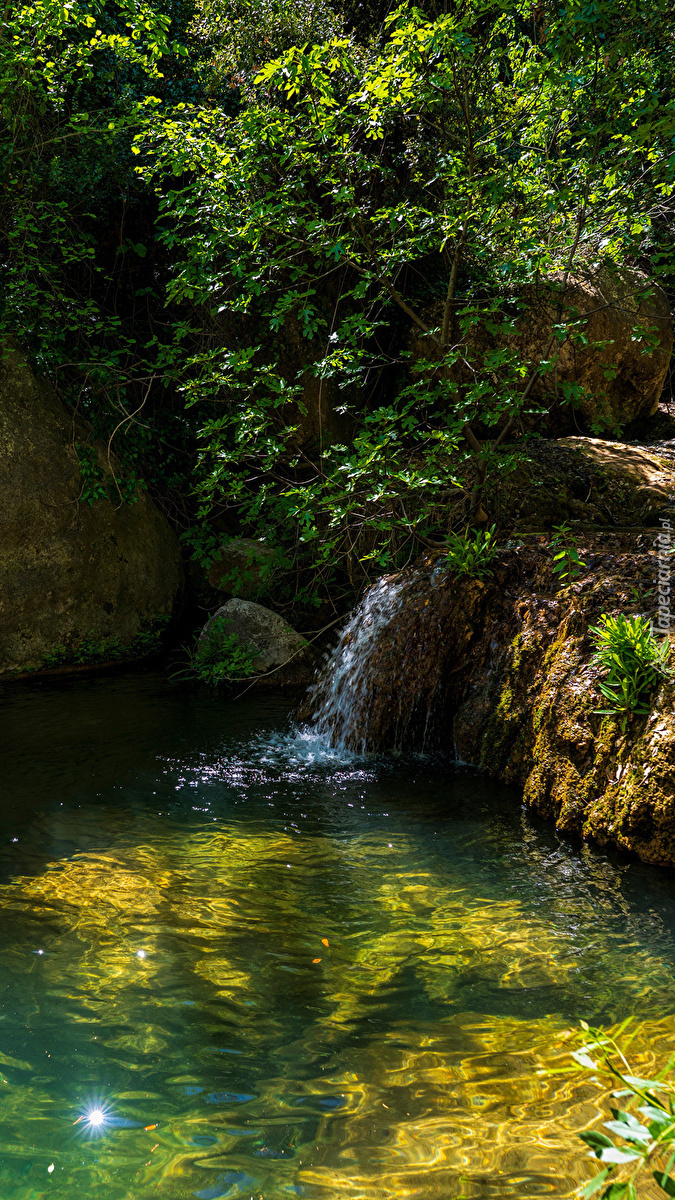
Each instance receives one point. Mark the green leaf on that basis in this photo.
(595, 1184)
(666, 1183)
(595, 1139)
(618, 1156)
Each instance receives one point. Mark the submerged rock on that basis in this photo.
(78, 581)
(278, 654)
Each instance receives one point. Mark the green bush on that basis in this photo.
(219, 657)
(471, 553)
(89, 651)
(637, 1144)
(567, 564)
(634, 663)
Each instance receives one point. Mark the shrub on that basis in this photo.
(471, 553)
(634, 662)
(567, 564)
(648, 1141)
(219, 657)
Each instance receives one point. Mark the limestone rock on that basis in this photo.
(501, 673)
(243, 567)
(587, 481)
(282, 655)
(622, 379)
(70, 573)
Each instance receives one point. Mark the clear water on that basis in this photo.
(276, 972)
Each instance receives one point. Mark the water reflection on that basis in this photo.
(273, 974)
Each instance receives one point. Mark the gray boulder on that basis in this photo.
(243, 567)
(78, 582)
(282, 656)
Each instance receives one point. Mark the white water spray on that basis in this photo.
(341, 695)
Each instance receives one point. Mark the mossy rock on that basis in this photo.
(73, 575)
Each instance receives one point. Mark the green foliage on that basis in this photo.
(634, 662)
(226, 218)
(89, 651)
(239, 36)
(93, 480)
(219, 657)
(442, 180)
(79, 276)
(567, 564)
(639, 1144)
(472, 553)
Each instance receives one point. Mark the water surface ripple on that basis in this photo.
(270, 971)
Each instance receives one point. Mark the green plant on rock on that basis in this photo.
(91, 651)
(567, 564)
(635, 663)
(219, 657)
(472, 553)
(92, 479)
(639, 1144)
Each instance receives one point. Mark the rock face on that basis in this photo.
(531, 716)
(502, 672)
(585, 481)
(243, 567)
(621, 380)
(71, 573)
(281, 654)
(620, 373)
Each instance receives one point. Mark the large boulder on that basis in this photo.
(279, 655)
(243, 567)
(611, 356)
(587, 481)
(79, 581)
(617, 354)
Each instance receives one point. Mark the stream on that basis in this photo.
(235, 963)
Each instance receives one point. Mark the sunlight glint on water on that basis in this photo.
(276, 969)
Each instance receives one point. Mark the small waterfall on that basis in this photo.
(340, 701)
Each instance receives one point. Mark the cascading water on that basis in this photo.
(399, 671)
(341, 699)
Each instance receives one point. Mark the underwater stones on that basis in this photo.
(280, 655)
(72, 574)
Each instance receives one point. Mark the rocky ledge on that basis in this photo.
(502, 671)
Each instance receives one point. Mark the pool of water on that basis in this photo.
(234, 965)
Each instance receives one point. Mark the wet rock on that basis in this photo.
(72, 575)
(243, 567)
(392, 680)
(621, 374)
(533, 716)
(280, 655)
(502, 675)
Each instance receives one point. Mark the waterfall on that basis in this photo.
(341, 699)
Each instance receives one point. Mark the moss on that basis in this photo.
(530, 715)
